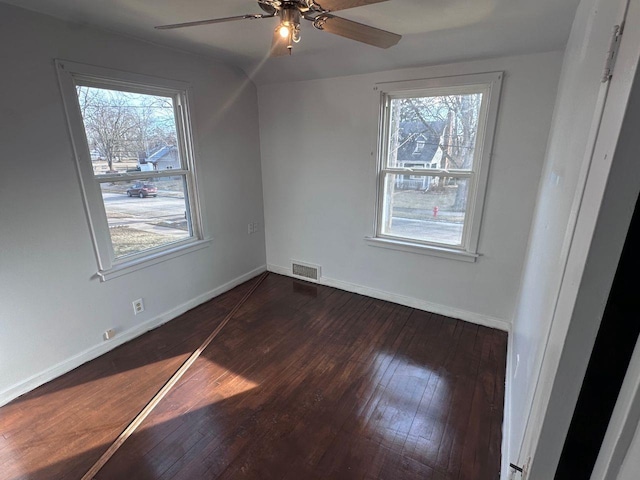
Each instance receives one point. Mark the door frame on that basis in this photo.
(612, 185)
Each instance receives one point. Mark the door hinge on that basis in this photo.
(612, 53)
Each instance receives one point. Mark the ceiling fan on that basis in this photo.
(318, 12)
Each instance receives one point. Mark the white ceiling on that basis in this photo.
(434, 31)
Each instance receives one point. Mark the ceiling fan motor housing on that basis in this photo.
(290, 14)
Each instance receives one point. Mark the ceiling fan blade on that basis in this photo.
(333, 5)
(356, 31)
(279, 45)
(214, 20)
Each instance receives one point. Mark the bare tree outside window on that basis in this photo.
(449, 122)
(124, 126)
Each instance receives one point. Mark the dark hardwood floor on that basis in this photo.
(305, 382)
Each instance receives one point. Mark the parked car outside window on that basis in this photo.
(143, 190)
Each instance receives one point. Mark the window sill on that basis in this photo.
(419, 249)
(152, 259)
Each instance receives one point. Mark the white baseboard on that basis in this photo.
(477, 318)
(75, 361)
(506, 420)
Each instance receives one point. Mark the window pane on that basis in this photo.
(129, 131)
(146, 214)
(434, 132)
(426, 208)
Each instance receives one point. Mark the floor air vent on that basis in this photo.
(305, 271)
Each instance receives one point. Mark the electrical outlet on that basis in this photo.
(109, 334)
(255, 227)
(138, 306)
(250, 228)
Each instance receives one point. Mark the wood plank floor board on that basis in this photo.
(462, 385)
(306, 381)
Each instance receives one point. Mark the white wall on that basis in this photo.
(317, 143)
(578, 107)
(53, 310)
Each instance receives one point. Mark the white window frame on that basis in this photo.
(489, 84)
(71, 74)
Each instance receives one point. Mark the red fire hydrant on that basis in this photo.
(435, 211)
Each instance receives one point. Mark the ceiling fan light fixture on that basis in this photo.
(283, 31)
(289, 21)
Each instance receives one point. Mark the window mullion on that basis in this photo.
(123, 177)
(428, 173)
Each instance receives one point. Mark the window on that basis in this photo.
(133, 147)
(435, 145)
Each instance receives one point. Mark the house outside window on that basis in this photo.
(132, 139)
(434, 150)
